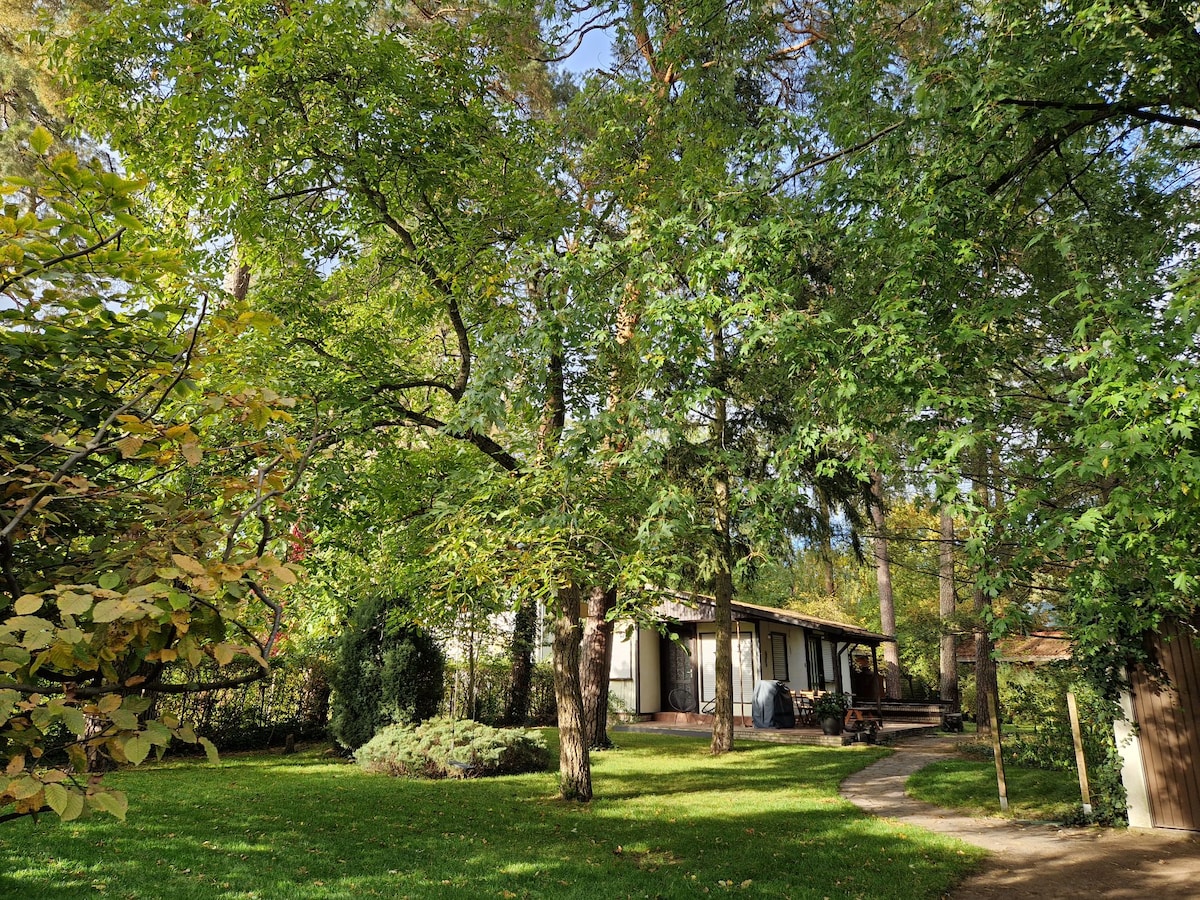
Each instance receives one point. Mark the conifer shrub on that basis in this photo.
(388, 671)
(448, 748)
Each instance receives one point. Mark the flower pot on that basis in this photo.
(831, 725)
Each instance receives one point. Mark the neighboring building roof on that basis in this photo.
(1033, 648)
(683, 607)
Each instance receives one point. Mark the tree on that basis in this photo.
(388, 672)
(140, 487)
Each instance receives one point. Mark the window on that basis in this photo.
(779, 657)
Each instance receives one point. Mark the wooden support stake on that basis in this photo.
(1080, 760)
(997, 750)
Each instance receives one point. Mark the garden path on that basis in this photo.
(1032, 860)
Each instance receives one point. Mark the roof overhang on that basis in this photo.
(682, 607)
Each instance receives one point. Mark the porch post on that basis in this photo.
(875, 672)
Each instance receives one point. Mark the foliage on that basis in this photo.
(453, 748)
(387, 671)
(292, 700)
(308, 820)
(1035, 700)
(831, 705)
(140, 478)
(493, 683)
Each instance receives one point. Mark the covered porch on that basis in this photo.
(667, 676)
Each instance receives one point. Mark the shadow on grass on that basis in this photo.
(670, 821)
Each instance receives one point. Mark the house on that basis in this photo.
(1159, 741)
(672, 670)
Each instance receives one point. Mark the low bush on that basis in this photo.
(448, 748)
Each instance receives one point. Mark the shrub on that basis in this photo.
(388, 672)
(1035, 700)
(448, 748)
(492, 687)
(293, 701)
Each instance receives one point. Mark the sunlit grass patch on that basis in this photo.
(670, 821)
(971, 786)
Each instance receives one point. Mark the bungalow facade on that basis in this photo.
(672, 669)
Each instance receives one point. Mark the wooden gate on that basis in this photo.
(1168, 718)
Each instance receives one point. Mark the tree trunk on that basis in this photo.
(883, 578)
(516, 713)
(948, 663)
(574, 762)
(722, 735)
(595, 666)
(985, 666)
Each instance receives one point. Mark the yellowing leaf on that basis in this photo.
(41, 140)
(129, 446)
(57, 797)
(27, 604)
(189, 565)
(210, 750)
(72, 604)
(224, 653)
(108, 610)
(113, 802)
(192, 453)
(136, 748)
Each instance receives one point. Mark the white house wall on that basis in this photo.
(649, 671)
(624, 669)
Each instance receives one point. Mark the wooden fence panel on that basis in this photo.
(1168, 717)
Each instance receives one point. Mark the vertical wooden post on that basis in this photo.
(1080, 760)
(997, 750)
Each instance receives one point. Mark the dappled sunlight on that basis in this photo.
(670, 820)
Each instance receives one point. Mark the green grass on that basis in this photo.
(971, 787)
(670, 821)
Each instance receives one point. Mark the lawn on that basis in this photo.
(670, 821)
(971, 787)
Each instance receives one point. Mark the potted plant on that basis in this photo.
(830, 710)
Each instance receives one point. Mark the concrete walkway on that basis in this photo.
(1037, 861)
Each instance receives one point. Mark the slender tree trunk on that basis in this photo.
(574, 762)
(948, 663)
(595, 666)
(883, 578)
(516, 713)
(722, 735)
(985, 665)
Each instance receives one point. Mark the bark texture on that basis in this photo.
(595, 666)
(883, 579)
(516, 713)
(574, 762)
(948, 663)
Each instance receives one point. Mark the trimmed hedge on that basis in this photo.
(448, 748)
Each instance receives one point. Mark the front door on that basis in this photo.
(679, 673)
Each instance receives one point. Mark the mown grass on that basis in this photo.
(669, 821)
(970, 786)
